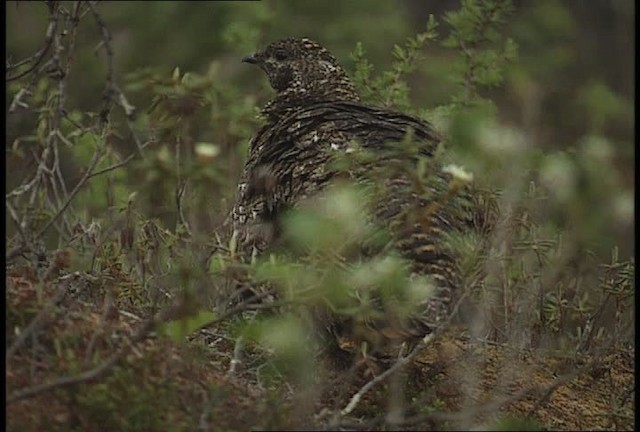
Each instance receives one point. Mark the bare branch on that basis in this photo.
(24, 91)
(112, 92)
(17, 251)
(94, 162)
(237, 351)
(403, 361)
(39, 56)
(355, 399)
(122, 163)
(19, 224)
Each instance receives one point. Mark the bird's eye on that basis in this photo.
(280, 55)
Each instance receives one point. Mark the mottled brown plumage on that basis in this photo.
(316, 115)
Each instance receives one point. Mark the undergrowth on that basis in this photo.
(128, 300)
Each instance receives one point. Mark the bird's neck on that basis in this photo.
(294, 99)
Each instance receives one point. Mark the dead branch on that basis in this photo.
(38, 56)
(94, 162)
(20, 226)
(355, 399)
(112, 92)
(401, 362)
(237, 352)
(545, 393)
(121, 164)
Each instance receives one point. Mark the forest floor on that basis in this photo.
(71, 365)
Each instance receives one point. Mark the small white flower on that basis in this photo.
(207, 150)
(458, 172)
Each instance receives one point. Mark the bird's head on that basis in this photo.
(302, 72)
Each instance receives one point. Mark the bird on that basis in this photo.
(315, 117)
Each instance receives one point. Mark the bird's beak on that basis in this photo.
(251, 58)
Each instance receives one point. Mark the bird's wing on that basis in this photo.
(291, 160)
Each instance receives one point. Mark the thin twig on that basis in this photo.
(489, 407)
(472, 412)
(16, 252)
(24, 91)
(101, 330)
(355, 399)
(122, 163)
(18, 223)
(210, 400)
(403, 361)
(39, 56)
(561, 381)
(237, 352)
(112, 92)
(112, 88)
(467, 414)
(94, 162)
(180, 190)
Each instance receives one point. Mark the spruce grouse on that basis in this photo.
(315, 115)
